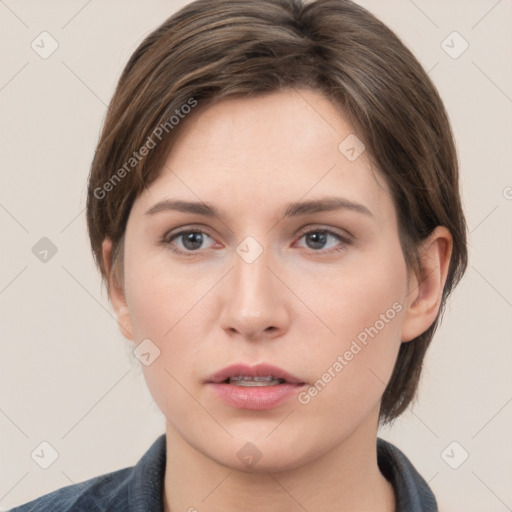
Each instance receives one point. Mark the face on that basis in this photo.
(318, 293)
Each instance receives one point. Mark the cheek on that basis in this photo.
(159, 301)
(369, 292)
(365, 309)
(169, 307)
(160, 295)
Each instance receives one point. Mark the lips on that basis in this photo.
(261, 374)
(255, 388)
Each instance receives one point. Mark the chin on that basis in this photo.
(264, 455)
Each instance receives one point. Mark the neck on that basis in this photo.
(344, 479)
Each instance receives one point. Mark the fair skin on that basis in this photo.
(298, 305)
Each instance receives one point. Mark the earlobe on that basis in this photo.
(426, 290)
(116, 292)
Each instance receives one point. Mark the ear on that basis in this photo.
(116, 292)
(425, 292)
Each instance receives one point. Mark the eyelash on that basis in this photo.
(169, 237)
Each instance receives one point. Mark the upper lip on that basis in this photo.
(259, 370)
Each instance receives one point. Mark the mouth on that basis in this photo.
(254, 387)
(254, 376)
(244, 380)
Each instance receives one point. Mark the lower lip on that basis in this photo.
(257, 397)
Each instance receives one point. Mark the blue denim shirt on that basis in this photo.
(140, 488)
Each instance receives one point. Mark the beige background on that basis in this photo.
(66, 374)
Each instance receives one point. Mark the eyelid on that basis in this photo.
(186, 228)
(341, 233)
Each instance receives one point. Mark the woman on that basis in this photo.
(274, 207)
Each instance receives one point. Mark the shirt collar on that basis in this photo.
(412, 493)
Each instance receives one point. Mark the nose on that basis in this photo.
(255, 302)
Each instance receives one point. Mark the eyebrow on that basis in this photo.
(295, 209)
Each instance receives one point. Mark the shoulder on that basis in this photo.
(138, 487)
(104, 492)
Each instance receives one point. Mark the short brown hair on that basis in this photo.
(214, 49)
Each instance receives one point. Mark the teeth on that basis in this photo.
(242, 380)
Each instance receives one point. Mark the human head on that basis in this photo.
(214, 50)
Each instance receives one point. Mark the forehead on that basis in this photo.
(261, 152)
